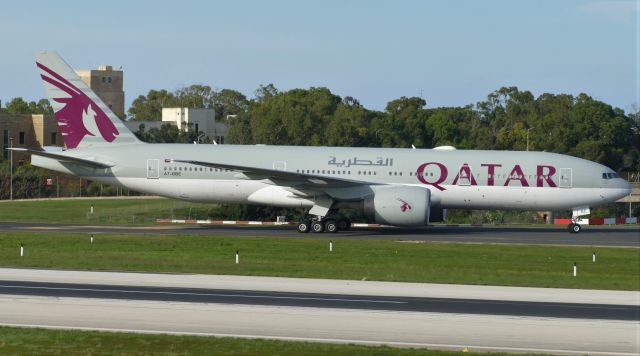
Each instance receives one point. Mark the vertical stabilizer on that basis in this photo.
(84, 120)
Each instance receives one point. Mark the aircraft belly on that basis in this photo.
(524, 198)
(200, 190)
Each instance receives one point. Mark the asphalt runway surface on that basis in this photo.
(482, 318)
(622, 236)
(315, 300)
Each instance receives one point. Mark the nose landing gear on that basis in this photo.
(575, 228)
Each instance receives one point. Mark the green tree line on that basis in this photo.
(508, 119)
(20, 106)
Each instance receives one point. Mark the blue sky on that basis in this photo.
(451, 52)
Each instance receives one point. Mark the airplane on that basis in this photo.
(395, 186)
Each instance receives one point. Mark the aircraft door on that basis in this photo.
(153, 168)
(279, 166)
(566, 178)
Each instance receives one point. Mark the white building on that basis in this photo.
(198, 120)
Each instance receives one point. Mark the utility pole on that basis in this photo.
(529, 129)
(11, 168)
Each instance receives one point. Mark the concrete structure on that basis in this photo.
(28, 131)
(201, 120)
(108, 85)
(196, 119)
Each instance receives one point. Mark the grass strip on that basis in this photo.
(28, 341)
(353, 259)
(105, 211)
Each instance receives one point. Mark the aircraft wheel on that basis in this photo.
(344, 224)
(575, 228)
(304, 226)
(331, 226)
(317, 227)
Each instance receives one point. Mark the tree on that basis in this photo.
(451, 127)
(349, 126)
(149, 107)
(195, 96)
(265, 92)
(403, 124)
(19, 106)
(295, 117)
(229, 102)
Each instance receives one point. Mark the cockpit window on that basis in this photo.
(610, 175)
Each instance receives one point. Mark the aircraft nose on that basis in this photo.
(623, 189)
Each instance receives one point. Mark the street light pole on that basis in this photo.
(11, 168)
(529, 129)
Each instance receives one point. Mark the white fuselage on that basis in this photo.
(456, 178)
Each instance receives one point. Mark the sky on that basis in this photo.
(451, 53)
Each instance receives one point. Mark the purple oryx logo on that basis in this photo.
(80, 115)
(405, 206)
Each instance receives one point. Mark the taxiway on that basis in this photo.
(627, 236)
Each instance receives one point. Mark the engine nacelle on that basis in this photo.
(399, 205)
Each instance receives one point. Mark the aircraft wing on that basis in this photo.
(293, 178)
(63, 158)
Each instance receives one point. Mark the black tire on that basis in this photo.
(317, 227)
(344, 224)
(331, 226)
(304, 226)
(576, 228)
(570, 227)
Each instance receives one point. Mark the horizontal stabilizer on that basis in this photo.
(63, 157)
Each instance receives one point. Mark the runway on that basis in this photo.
(625, 236)
(316, 300)
(511, 319)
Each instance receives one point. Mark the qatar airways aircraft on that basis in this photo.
(395, 186)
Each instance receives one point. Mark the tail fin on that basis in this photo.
(84, 120)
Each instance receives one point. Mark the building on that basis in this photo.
(108, 84)
(28, 131)
(199, 120)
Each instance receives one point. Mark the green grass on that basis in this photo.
(382, 260)
(22, 341)
(106, 211)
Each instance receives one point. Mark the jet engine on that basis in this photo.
(398, 205)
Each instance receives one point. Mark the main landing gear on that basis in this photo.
(319, 224)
